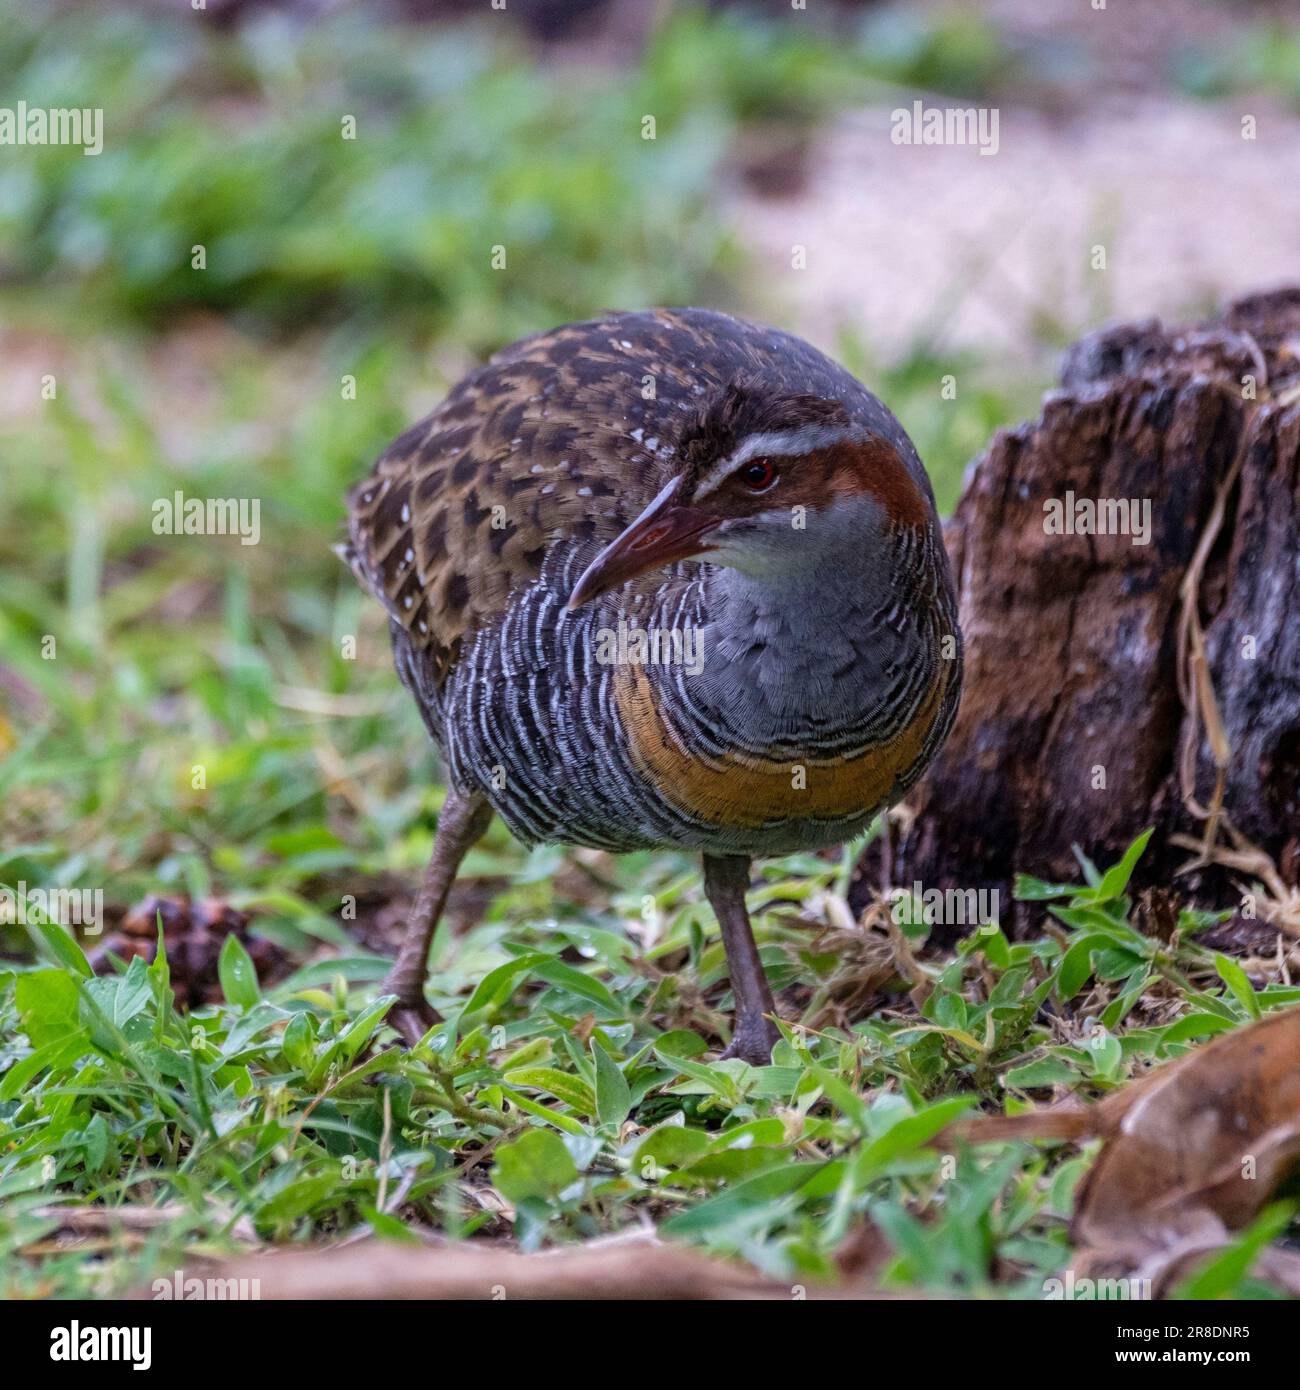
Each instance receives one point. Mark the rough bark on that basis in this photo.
(1083, 720)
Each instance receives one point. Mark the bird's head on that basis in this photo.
(789, 486)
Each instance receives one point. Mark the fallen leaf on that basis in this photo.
(1193, 1151)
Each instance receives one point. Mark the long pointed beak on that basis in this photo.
(664, 532)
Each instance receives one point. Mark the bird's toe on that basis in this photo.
(752, 1043)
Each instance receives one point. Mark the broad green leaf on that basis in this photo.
(533, 1053)
(613, 1098)
(670, 1147)
(95, 1139)
(1115, 880)
(1010, 992)
(558, 1118)
(238, 974)
(843, 1097)
(1030, 890)
(1239, 983)
(47, 1004)
(1047, 1071)
(809, 1181)
(1196, 1025)
(772, 1082)
(61, 1052)
(756, 1132)
(950, 1009)
(535, 1165)
(1076, 964)
(1115, 963)
(362, 1028)
(908, 1134)
(258, 1020)
(706, 1078)
(994, 945)
(298, 1042)
(1221, 1276)
(1107, 1055)
(679, 1042)
(60, 944)
(297, 1199)
(563, 1085)
(1088, 918)
(555, 972)
(734, 1165)
(497, 985)
(387, 1226)
(111, 1004)
(1118, 1009)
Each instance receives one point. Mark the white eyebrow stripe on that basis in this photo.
(806, 439)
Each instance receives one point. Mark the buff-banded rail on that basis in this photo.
(666, 579)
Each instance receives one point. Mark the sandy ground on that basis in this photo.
(994, 251)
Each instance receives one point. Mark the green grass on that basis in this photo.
(572, 1078)
(1263, 57)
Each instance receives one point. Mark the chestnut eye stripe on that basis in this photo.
(775, 445)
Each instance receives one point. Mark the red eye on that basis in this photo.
(758, 475)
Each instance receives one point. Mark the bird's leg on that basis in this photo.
(726, 877)
(464, 818)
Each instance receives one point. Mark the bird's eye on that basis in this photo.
(758, 475)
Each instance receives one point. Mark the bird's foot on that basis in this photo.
(752, 1041)
(411, 1017)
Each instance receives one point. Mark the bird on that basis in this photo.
(661, 579)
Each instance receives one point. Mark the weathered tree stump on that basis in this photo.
(1095, 662)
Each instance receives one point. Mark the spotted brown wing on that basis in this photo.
(566, 433)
